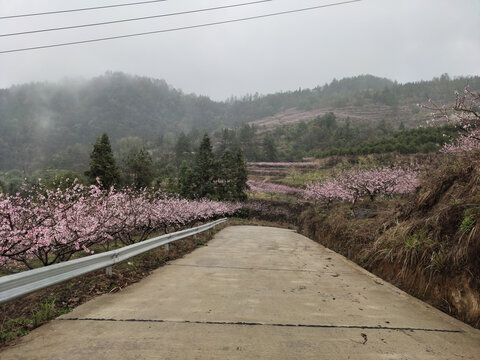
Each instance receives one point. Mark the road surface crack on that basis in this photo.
(242, 323)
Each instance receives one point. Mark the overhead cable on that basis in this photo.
(82, 9)
(135, 19)
(178, 28)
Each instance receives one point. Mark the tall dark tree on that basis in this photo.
(241, 176)
(227, 173)
(102, 163)
(139, 169)
(205, 169)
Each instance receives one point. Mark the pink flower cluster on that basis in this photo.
(270, 188)
(354, 184)
(464, 144)
(465, 114)
(283, 164)
(327, 191)
(52, 225)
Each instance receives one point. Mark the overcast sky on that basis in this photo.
(404, 40)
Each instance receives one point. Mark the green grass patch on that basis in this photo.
(11, 329)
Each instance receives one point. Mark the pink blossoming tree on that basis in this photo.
(271, 188)
(354, 184)
(49, 226)
(465, 115)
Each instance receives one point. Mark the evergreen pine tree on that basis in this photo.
(226, 184)
(102, 163)
(205, 168)
(241, 175)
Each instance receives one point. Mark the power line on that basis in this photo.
(82, 9)
(135, 19)
(178, 28)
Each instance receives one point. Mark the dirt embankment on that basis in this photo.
(427, 245)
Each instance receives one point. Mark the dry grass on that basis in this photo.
(428, 244)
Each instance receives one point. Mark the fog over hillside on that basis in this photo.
(54, 124)
(406, 40)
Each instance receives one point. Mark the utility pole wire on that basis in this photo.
(135, 19)
(178, 28)
(82, 9)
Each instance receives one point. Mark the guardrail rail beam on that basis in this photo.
(17, 285)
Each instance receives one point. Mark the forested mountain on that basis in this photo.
(45, 125)
(44, 122)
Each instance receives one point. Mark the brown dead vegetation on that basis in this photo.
(428, 244)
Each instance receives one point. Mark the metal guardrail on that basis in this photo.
(17, 285)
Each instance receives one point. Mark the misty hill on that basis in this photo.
(39, 120)
(44, 125)
(379, 100)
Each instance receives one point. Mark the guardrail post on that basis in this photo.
(109, 270)
(166, 247)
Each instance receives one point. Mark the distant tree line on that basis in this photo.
(207, 177)
(412, 141)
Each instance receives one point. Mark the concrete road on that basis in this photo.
(254, 293)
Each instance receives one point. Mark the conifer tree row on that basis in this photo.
(207, 177)
(225, 179)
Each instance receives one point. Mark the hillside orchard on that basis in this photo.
(284, 164)
(350, 185)
(271, 188)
